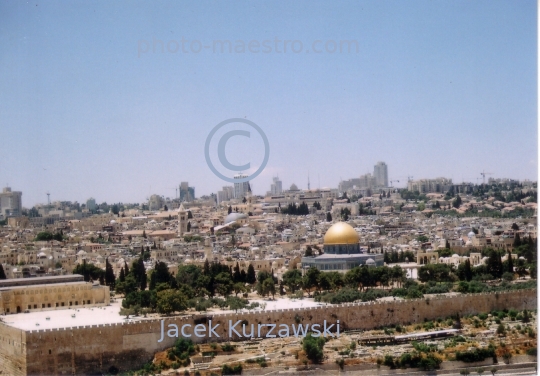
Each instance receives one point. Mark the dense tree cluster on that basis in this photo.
(48, 236)
(192, 287)
(395, 256)
(413, 195)
(292, 209)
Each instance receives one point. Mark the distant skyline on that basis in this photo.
(434, 89)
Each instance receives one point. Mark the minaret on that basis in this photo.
(182, 220)
(308, 185)
(249, 199)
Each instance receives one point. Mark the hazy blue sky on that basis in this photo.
(91, 106)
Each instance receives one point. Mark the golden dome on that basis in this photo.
(341, 233)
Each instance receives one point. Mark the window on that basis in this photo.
(29, 306)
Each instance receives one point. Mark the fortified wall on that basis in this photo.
(95, 348)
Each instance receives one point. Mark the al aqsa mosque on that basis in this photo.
(342, 251)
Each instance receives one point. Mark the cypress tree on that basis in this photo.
(236, 275)
(122, 275)
(468, 271)
(2, 273)
(510, 263)
(517, 241)
(526, 316)
(110, 278)
(86, 275)
(126, 268)
(142, 275)
(250, 277)
(243, 276)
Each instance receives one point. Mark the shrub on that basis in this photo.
(313, 347)
(389, 361)
(227, 347)
(231, 370)
(476, 355)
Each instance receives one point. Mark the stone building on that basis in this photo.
(50, 293)
(341, 251)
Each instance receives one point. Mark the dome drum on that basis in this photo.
(341, 238)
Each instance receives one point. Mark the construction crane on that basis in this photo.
(483, 173)
(391, 183)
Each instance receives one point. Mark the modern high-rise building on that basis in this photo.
(91, 204)
(276, 187)
(10, 203)
(155, 202)
(187, 193)
(240, 189)
(225, 194)
(380, 172)
(438, 185)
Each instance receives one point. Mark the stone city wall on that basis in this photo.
(128, 345)
(12, 351)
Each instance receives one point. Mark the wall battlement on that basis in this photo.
(127, 345)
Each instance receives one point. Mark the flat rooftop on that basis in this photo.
(63, 318)
(51, 285)
(41, 280)
(111, 314)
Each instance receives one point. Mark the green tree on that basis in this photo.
(456, 203)
(2, 273)
(501, 330)
(44, 236)
(328, 217)
(309, 251)
(292, 279)
(464, 271)
(313, 347)
(160, 274)
(238, 287)
(110, 278)
(269, 287)
(526, 317)
(170, 300)
(250, 277)
(494, 264)
(223, 283)
(517, 241)
(129, 285)
(435, 273)
(311, 279)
